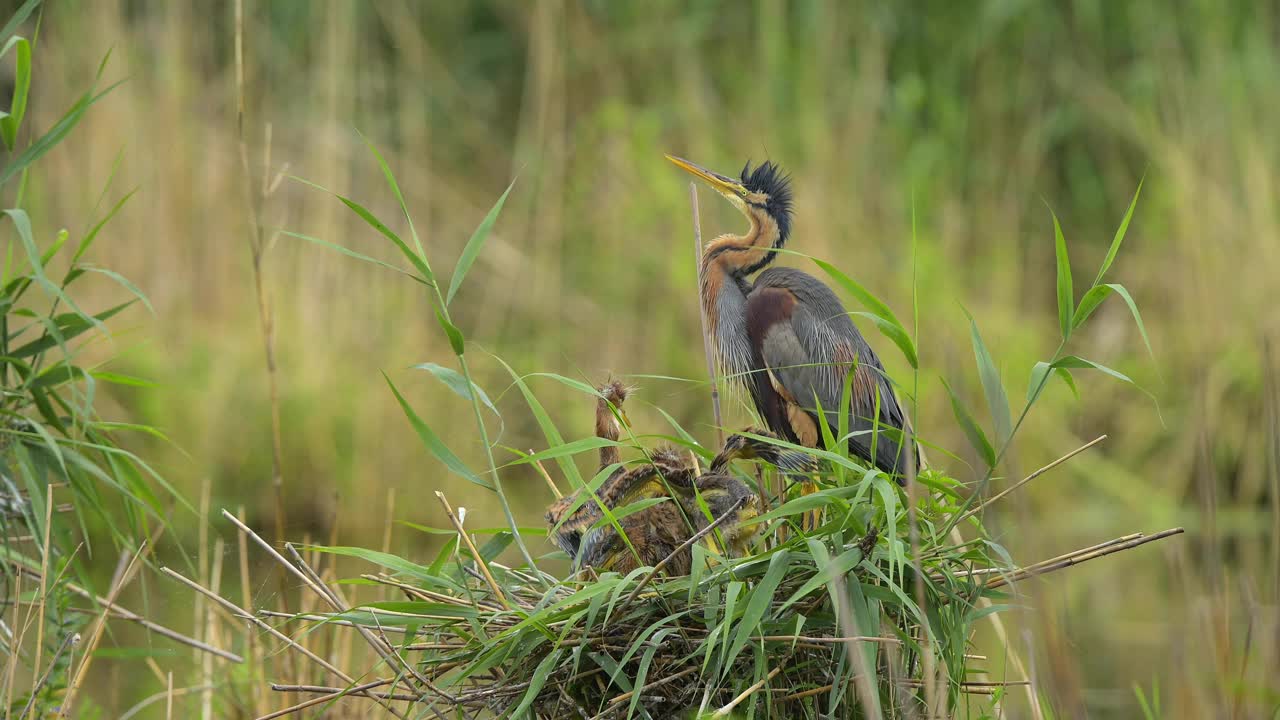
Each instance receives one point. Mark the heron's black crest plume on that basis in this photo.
(769, 179)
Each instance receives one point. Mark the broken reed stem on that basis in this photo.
(325, 690)
(323, 699)
(272, 552)
(657, 683)
(1075, 553)
(981, 572)
(251, 639)
(484, 567)
(157, 697)
(379, 644)
(1079, 557)
(124, 573)
(257, 247)
(725, 710)
(972, 688)
(323, 592)
(44, 573)
(833, 640)
(126, 614)
(241, 612)
(927, 655)
(310, 617)
(996, 623)
(981, 506)
(684, 546)
(702, 315)
(547, 477)
(431, 596)
(67, 642)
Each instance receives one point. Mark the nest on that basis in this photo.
(871, 613)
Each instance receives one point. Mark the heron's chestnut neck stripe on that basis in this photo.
(746, 254)
(728, 260)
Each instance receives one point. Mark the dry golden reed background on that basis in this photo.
(973, 113)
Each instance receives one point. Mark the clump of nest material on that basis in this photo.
(857, 599)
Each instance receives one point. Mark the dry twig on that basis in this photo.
(702, 315)
(1115, 546)
(982, 505)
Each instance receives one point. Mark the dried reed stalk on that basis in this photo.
(480, 563)
(126, 614)
(257, 248)
(702, 315)
(1083, 555)
(242, 613)
(981, 506)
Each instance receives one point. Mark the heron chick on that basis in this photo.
(688, 503)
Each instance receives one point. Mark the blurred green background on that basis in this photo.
(976, 114)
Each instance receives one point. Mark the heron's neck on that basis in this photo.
(607, 428)
(726, 262)
(745, 254)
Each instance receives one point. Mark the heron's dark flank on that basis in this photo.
(786, 335)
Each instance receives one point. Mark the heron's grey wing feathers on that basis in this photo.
(812, 354)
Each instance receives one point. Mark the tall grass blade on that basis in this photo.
(472, 249)
(1067, 378)
(19, 16)
(433, 443)
(568, 382)
(67, 327)
(353, 254)
(416, 260)
(456, 341)
(455, 381)
(55, 134)
(863, 295)
(1119, 236)
(404, 207)
(1076, 362)
(972, 431)
(1066, 296)
(1039, 374)
(22, 223)
(1137, 316)
(549, 429)
(1089, 303)
(991, 385)
(90, 236)
(758, 603)
(897, 334)
(878, 311)
(12, 120)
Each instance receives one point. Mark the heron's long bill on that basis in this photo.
(726, 185)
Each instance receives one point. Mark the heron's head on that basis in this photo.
(567, 529)
(615, 394)
(743, 447)
(602, 548)
(723, 494)
(764, 189)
